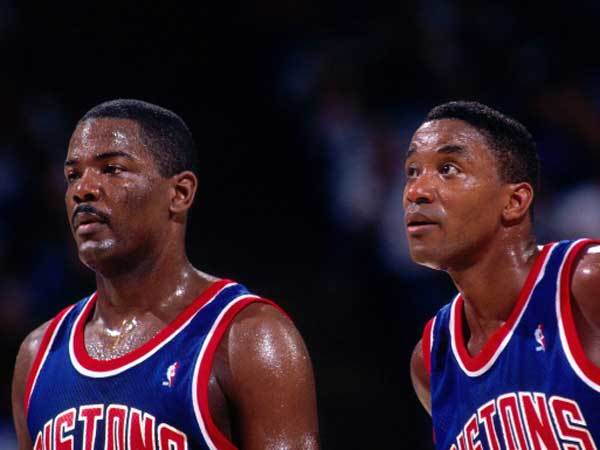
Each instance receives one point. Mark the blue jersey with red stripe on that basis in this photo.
(532, 385)
(155, 397)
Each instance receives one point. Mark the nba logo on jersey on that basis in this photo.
(539, 338)
(549, 402)
(171, 372)
(121, 404)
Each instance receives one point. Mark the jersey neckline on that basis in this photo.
(87, 365)
(480, 363)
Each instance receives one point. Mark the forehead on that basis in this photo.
(101, 135)
(449, 133)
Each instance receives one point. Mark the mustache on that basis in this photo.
(89, 209)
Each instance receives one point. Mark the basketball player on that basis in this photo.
(162, 355)
(513, 362)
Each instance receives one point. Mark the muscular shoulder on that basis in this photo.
(27, 353)
(265, 371)
(585, 284)
(29, 349)
(261, 336)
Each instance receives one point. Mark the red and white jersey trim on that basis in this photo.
(42, 354)
(427, 343)
(88, 366)
(474, 366)
(585, 369)
(211, 433)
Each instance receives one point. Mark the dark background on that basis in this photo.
(302, 114)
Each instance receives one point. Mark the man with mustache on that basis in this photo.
(513, 361)
(162, 355)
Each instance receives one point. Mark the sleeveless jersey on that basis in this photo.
(532, 385)
(155, 397)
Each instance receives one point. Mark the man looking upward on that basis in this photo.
(162, 355)
(513, 362)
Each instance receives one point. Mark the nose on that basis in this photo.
(86, 188)
(419, 189)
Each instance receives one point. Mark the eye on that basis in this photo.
(71, 176)
(112, 169)
(411, 172)
(449, 169)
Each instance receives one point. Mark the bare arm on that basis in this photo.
(267, 376)
(585, 289)
(25, 358)
(420, 377)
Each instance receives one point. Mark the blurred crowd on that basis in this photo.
(354, 95)
(359, 134)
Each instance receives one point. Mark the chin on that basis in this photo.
(94, 253)
(427, 257)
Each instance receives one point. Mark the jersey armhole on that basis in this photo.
(214, 437)
(42, 353)
(427, 343)
(572, 346)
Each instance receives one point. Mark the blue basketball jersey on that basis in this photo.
(155, 397)
(532, 385)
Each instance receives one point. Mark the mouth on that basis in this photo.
(417, 226)
(88, 228)
(87, 223)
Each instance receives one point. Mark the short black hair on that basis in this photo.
(164, 133)
(512, 144)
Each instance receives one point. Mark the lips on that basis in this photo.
(415, 219)
(418, 222)
(86, 218)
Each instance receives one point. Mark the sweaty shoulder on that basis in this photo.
(25, 358)
(585, 284)
(266, 332)
(262, 339)
(27, 353)
(268, 377)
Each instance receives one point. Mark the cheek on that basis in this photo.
(69, 205)
(136, 196)
(143, 202)
(474, 206)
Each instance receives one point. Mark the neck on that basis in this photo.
(162, 285)
(490, 286)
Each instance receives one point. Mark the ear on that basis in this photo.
(520, 197)
(183, 191)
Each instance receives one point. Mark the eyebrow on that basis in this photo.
(446, 149)
(449, 149)
(411, 151)
(102, 156)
